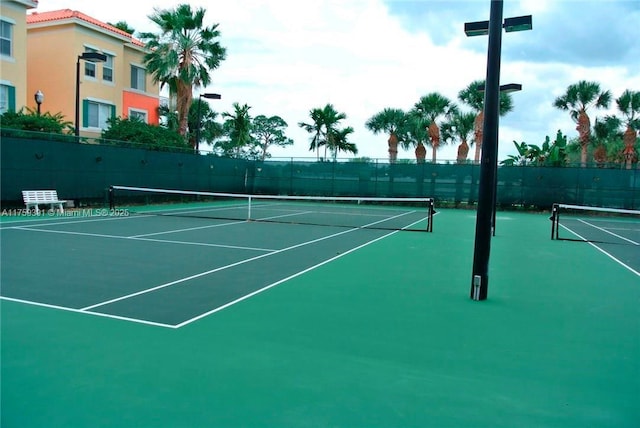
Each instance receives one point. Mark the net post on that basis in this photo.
(430, 216)
(249, 209)
(112, 204)
(554, 221)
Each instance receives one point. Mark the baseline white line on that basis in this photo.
(609, 232)
(602, 251)
(241, 262)
(182, 324)
(99, 314)
(131, 238)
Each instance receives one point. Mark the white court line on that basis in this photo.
(187, 229)
(281, 281)
(209, 226)
(201, 274)
(99, 314)
(240, 299)
(70, 222)
(609, 232)
(602, 251)
(133, 238)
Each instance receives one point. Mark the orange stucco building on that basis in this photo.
(118, 87)
(13, 54)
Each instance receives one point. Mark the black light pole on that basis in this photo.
(211, 97)
(488, 163)
(482, 248)
(86, 56)
(39, 97)
(511, 87)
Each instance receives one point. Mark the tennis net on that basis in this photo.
(595, 224)
(414, 214)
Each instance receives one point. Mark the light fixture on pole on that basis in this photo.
(39, 97)
(91, 57)
(507, 89)
(211, 97)
(488, 162)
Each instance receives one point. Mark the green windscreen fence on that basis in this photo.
(84, 172)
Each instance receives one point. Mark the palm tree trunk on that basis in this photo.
(183, 100)
(478, 125)
(393, 147)
(421, 153)
(629, 153)
(463, 150)
(584, 132)
(434, 135)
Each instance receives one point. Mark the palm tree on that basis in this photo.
(123, 26)
(202, 116)
(607, 136)
(430, 108)
(474, 98)
(459, 127)
(314, 128)
(339, 141)
(629, 105)
(577, 100)
(238, 128)
(330, 119)
(391, 121)
(325, 123)
(415, 134)
(182, 55)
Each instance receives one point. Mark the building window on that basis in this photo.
(107, 69)
(90, 67)
(97, 114)
(138, 78)
(7, 98)
(140, 115)
(6, 38)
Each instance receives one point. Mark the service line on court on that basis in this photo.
(216, 225)
(602, 251)
(134, 238)
(218, 269)
(609, 232)
(245, 297)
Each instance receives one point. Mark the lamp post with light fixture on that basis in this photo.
(39, 97)
(488, 162)
(91, 57)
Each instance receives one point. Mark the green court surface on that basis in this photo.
(367, 328)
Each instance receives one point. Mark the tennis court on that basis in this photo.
(174, 320)
(172, 264)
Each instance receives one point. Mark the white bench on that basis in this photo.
(33, 198)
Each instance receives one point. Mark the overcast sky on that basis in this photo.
(285, 57)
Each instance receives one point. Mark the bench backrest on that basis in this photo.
(39, 195)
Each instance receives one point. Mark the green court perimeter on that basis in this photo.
(383, 336)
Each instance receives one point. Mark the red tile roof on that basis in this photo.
(63, 14)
